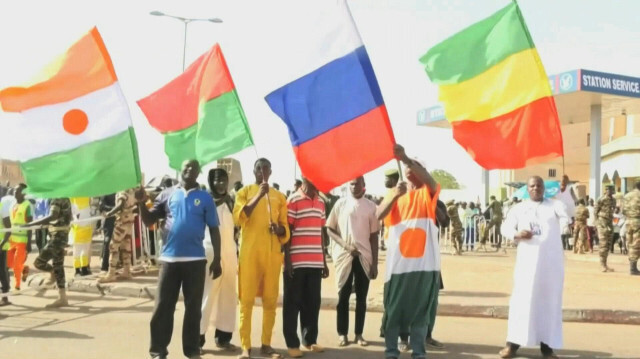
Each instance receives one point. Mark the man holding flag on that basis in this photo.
(412, 277)
(261, 213)
(187, 210)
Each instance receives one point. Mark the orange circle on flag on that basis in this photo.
(412, 242)
(75, 121)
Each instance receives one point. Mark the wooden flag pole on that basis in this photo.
(268, 202)
(399, 170)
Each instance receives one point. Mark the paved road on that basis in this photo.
(117, 327)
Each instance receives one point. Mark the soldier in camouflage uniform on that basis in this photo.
(631, 209)
(604, 213)
(495, 209)
(122, 234)
(580, 229)
(456, 226)
(59, 219)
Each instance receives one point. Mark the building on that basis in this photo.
(600, 121)
(232, 166)
(10, 173)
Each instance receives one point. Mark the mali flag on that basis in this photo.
(76, 138)
(496, 93)
(199, 113)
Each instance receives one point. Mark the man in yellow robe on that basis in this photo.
(261, 213)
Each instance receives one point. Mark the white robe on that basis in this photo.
(355, 220)
(535, 309)
(220, 295)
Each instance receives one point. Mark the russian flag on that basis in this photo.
(337, 120)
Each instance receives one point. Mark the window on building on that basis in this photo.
(588, 139)
(552, 172)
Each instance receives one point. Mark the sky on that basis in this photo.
(147, 53)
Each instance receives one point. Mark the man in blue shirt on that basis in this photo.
(187, 210)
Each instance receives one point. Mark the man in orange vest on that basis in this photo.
(20, 240)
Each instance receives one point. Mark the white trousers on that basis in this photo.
(219, 301)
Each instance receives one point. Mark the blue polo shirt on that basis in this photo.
(187, 215)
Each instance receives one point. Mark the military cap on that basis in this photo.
(391, 172)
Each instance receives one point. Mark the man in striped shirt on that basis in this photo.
(304, 268)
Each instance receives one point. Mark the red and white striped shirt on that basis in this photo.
(307, 217)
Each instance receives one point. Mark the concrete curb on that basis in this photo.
(122, 289)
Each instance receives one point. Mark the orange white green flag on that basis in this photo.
(76, 130)
(412, 275)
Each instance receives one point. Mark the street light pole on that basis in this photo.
(186, 22)
(184, 46)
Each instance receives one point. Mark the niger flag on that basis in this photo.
(76, 137)
(412, 276)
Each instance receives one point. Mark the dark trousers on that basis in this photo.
(357, 278)
(189, 275)
(41, 238)
(301, 295)
(107, 233)
(544, 348)
(220, 337)
(4, 273)
(152, 243)
(54, 251)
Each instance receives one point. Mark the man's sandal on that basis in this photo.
(507, 352)
(270, 352)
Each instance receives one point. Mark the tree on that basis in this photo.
(445, 179)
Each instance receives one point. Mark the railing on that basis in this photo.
(141, 257)
(471, 236)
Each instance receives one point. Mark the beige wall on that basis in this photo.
(576, 151)
(10, 171)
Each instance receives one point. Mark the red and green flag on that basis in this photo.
(199, 112)
(495, 92)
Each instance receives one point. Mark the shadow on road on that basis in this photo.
(48, 334)
(460, 351)
(453, 293)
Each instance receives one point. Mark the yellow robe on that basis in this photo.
(81, 234)
(260, 260)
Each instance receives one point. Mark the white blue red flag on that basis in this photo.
(332, 105)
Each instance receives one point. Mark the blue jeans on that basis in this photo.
(469, 237)
(417, 335)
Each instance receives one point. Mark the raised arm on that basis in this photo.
(157, 212)
(416, 168)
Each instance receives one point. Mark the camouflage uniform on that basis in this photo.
(456, 226)
(123, 233)
(604, 214)
(580, 230)
(54, 250)
(631, 209)
(496, 221)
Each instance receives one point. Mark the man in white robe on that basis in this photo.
(353, 228)
(220, 294)
(535, 309)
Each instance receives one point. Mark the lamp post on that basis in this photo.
(186, 22)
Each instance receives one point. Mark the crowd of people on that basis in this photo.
(225, 248)
(605, 223)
